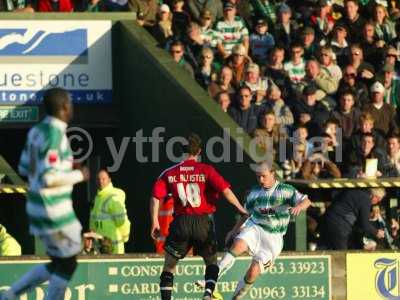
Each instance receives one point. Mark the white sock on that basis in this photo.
(28, 281)
(226, 263)
(241, 289)
(57, 287)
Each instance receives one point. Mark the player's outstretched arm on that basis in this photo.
(232, 199)
(303, 205)
(155, 226)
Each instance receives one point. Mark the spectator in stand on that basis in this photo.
(393, 150)
(356, 162)
(392, 57)
(322, 21)
(369, 44)
(384, 27)
(261, 42)
(309, 112)
(209, 35)
(347, 115)
(196, 7)
(52, 6)
(146, 11)
(349, 209)
(224, 101)
(162, 30)
(292, 167)
(339, 44)
(364, 69)
(269, 134)
(383, 113)
(16, 6)
(286, 30)
(207, 70)
(265, 9)
(194, 44)
(323, 81)
(275, 71)
(223, 84)
(377, 220)
(309, 42)
(283, 114)
(295, 67)
(232, 30)
(257, 84)
(353, 20)
(392, 86)
(180, 18)
(327, 59)
(238, 62)
(318, 166)
(177, 51)
(300, 136)
(245, 113)
(367, 127)
(350, 82)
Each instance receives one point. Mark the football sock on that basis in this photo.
(210, 278)
(166, 284)
(226, 263)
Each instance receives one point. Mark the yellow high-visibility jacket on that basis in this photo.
(108, 217)
(8, 245)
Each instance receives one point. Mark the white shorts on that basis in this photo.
(63, 243)
(264, 247)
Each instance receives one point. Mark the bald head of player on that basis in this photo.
(57, 103)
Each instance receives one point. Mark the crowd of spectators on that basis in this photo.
(320, 76)
(325, 74)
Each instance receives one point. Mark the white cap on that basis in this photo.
(164, 8)
(377, 87)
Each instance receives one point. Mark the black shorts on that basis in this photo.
(187, 231)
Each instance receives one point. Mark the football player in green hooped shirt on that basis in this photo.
(269, 204)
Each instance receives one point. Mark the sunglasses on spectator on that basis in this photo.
(391, 55)
(296, 51)
(176, 51)
(207, 18)
(351, 75)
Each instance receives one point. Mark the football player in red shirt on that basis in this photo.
(194, 187)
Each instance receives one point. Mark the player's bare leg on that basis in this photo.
(167, 276)
(245, 284)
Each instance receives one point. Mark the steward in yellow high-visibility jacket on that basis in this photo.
(8, 245)
(108, 216)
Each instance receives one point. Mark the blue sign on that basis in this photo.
(38, 55)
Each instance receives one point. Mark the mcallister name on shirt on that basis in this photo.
(187, 178)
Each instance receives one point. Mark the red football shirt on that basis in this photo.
(193, 185)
